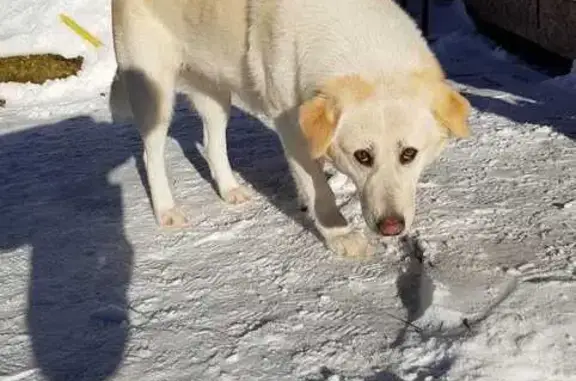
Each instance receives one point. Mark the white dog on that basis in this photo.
(351, 81)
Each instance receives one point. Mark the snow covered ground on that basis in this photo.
(90, 289)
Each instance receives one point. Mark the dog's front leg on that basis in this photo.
(313, 187)
(302, 201)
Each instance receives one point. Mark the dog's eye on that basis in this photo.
(408, 155)
(364, 157)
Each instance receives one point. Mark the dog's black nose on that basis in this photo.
(390, 226)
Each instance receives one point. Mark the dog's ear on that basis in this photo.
(319, 116)
(451, 109)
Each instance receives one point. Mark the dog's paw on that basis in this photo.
(353, 244)
(173, 218)
(237, 195)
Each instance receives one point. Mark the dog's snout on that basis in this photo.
(391, 226)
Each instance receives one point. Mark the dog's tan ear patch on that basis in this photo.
(449, 107)
(452, 110)
(318, 122)
(319, 116)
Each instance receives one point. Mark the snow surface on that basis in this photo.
(90, 289)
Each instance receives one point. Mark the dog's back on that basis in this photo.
(265, 47)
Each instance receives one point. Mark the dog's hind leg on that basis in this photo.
(149, 68)
(151, 93)
(213, 106)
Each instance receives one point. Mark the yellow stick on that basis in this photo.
(80, 31)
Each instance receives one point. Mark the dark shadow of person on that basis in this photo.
(56, 198)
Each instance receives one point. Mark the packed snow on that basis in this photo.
(91, 289)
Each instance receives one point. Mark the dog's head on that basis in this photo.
(382, 135)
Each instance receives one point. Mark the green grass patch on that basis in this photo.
(38, 68)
